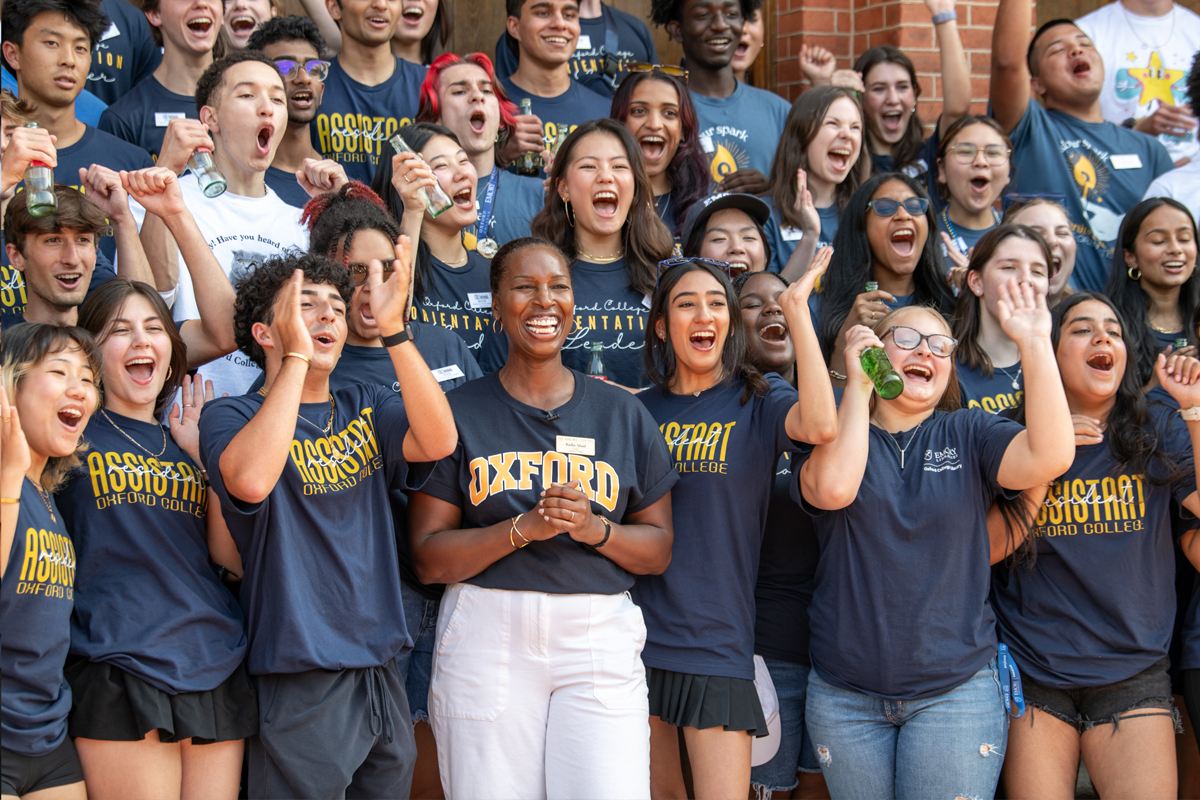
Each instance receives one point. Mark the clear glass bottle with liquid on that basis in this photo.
(211, 181)
(875, 362)
(560, 136)
(596, 367)
(528, 163)
(39, 187)
(436, 199)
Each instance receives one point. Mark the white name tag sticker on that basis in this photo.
(706, 144)
(790, 234)
(448, 373)
(481, 301)
(1126, 161)
(579, 445)
(162, 118)
(646, 301)
(111, 32)
(585, 42)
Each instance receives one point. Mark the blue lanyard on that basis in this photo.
(1010, 683)
(489, 200)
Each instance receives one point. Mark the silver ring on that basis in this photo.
(572, 516)
(407, 179)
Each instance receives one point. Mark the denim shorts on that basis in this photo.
(416, 666)
(1083, 709)
(796, 752)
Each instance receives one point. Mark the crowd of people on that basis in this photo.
(308, 487)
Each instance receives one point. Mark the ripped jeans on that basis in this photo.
(941, 747)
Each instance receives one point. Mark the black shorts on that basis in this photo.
(1146, 694)
(113, 705)
(705, 701)
(20, 775)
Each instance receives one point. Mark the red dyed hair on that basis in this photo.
(354, 190)
(430, 107)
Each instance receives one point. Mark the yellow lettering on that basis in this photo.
(95, 464)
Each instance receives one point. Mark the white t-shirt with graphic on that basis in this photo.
(1146, 63)
(242, 232)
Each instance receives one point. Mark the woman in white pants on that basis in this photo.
(557, 495)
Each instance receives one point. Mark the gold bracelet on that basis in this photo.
(307, 360)
(513, 530)
(12, 501)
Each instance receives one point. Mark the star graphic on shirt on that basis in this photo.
(1131, 56)
(1156, 81)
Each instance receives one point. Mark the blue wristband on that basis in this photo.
(944, 16)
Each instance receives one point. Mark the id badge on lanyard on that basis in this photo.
(1010, 683)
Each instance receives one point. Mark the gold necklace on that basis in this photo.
(602, 259)
(466, 257)
(1164, 330)
(328, 425)
(42, 493)
(159, 454)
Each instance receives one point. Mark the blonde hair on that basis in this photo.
(951, 399)
(25, 346)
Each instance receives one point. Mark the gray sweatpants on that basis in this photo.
(325, 734)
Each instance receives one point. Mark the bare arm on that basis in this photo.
(15, 460)
(1001, 547)
(956, 74)
(1009, 92)
(798, 263)
(814, 417)
(329, 29)
(104, 188)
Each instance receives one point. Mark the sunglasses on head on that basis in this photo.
(317, 70)
(666, 69)
(907, 338)
(887, 207)
(358, 270)
(731, 271)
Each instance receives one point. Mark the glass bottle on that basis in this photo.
(211, 181)
(436, 199)
(39, 187)
(1181, 343)
(560, 136)
(528, 163)
(872, 286)
(879, 369)
(596, 364)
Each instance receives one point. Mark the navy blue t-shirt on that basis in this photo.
(321, 589)
(125, 54)
(148, 602)
(786, 573)
(35, 604)
(883, 621)
(141, 116)
(508, 452)
(284, 184)
(518, 199)
(992, 394)
(923, 167)
(577, 105)
(1099, 604)
(784, 238)
(741, 131)
(634, 43)
(459, 298)
(607, 310)
(14, 296)
(1103, 170)
(964, 238)
(355, 120)
(700, 612)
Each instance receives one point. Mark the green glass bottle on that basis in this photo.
(528, 163)
(872, 286)
(40, 199)
(1181, 343)
(879, 369)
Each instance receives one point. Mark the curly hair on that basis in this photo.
(334, 217)
(25, 345)
(211, 82)
(287, 29)
(257, 291)
(664, 11)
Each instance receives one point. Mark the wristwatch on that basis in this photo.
(1190, 414)
(1129, 123)
(397, 338)
(608, 531)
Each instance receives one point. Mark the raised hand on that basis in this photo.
(858, 338)
(104, 187)
(1169, 120)
(1088, 430)
(185, 427)
(1180, 376)
(805, 208)
(25, 146)
(868, 308)
(817, 64)
(796, 296)
(1023, 312)
(567, 509)
(409, 175)
(15, 456)
(849, 79)
(321, 176)
(289, 318)
(746, 181)
(182, 138)
(390, 296)
(526, 137)
(938, 6)
(157, 189)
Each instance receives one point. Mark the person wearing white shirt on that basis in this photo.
(1182, 183)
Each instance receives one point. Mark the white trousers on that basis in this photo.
(540, 696)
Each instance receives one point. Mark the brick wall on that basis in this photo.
(849, 27)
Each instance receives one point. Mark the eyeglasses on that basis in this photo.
(666, 69)
(358, 270)
(887, 207)
(966, 152)
(907, 338)
(317, 70)
(730, 270)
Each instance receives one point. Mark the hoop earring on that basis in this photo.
(496, 329)
(1130, 272)
(170, 369)
(570, 215)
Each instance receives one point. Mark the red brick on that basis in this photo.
(820, 21)
(980, 88)
(913, 37)
(976, 38)
(869, 19)
(831, 42)
(788, 70)
(925, 61)
(981, 15)
(911, 14)
(789, 23)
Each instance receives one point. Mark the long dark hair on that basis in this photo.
(416, 135)
(108, 302)
(658, 356)
(803, 123)
(1134, 304)
(968, 313)
(853, 263)
(952, 132)
(688, 170)
(644, 237)
(439, 34)
(906, 150)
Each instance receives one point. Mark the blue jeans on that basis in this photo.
(416, 666)
(796, 752)
(947, 746)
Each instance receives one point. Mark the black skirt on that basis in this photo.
(705, 701)
(112, 705)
